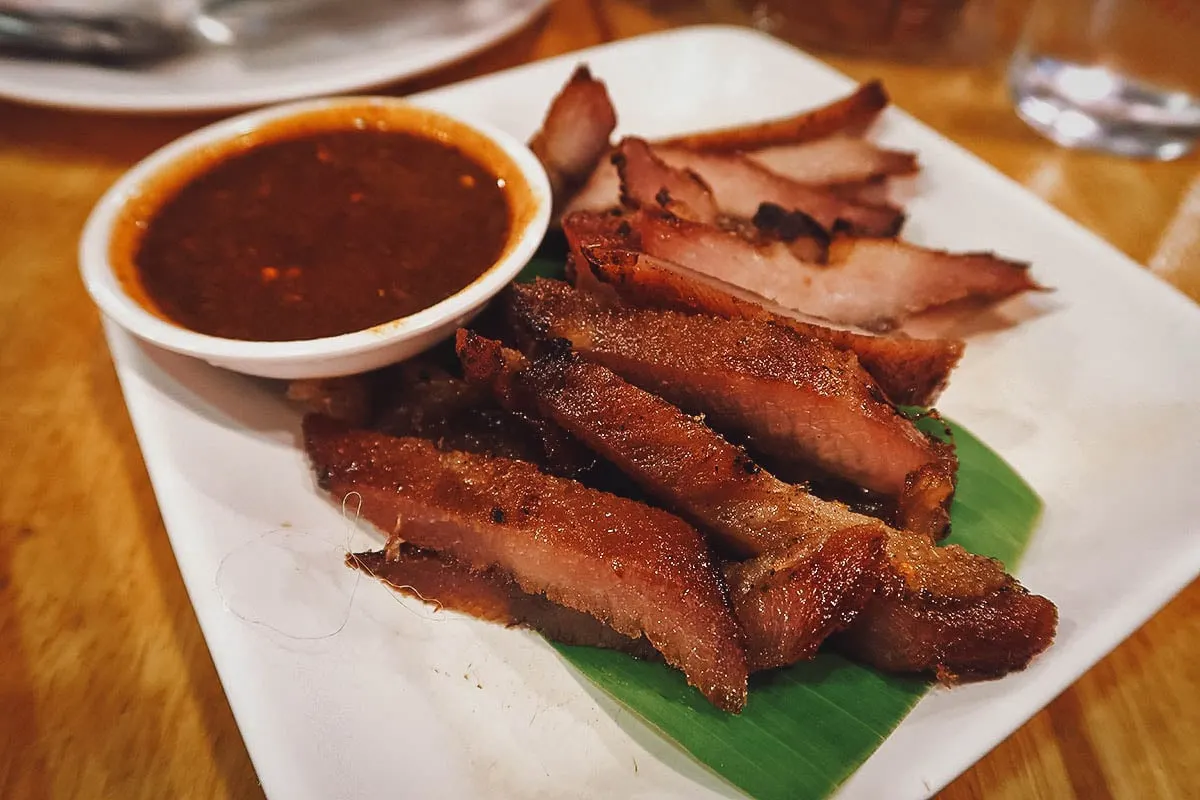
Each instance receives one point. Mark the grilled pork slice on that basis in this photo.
(490, 595)
(910, 371)
(792, 397)
(947, 611)
(870, 283)
(785, 599)
(640, 570)
(851, 114)
(835, 160)
(741, 185)
(935, 608)
(575, 133)
(647, 181)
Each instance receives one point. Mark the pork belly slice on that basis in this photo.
(740, 186)
(640, 570)
(790, 600)
(851, 114)
(949, 612)
(910, 371)
(835, 160)
(490, 595)
(575, 133)
(647, 181)
(869, 283)
(792, 397)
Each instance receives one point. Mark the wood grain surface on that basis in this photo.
(106, 686)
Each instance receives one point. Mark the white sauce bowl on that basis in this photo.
(105, 255)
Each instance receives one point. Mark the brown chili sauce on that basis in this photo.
(321, 235)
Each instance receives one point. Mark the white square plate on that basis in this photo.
(343, 690)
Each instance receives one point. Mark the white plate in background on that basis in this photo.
(330, 47)
(342, 689)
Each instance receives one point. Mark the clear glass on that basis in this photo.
(1116, 75)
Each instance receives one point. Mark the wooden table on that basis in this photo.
(106, 687)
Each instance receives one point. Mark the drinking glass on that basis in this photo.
(1116, 75)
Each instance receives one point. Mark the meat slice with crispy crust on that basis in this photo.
(490, 595)
(575, 133)
(950, 612)
(640, 570)
(791, 599)
(910, 371)
(793, 397)
(869, 283)
(835, 160)
(647, 181)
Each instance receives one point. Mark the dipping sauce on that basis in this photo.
(322, 234)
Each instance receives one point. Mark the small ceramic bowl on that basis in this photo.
(107, 247)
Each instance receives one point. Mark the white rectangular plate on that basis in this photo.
(343, 690)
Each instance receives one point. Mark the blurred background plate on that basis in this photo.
(323, 48)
